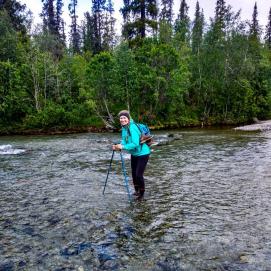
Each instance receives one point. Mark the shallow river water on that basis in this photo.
(207, 204)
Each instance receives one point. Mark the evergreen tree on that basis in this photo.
(139, 18)
(98, 7)
(17, 13)
(182, 23)
(53, 28)
(255, 30)
(256, 71)
(220, 13)
(165, 21)
(49, 18)
(165, 32)
(197, 30)
(59, 21)
(74, 33)
(52, 20)
(127, 31)
(88, 33)
(99, 27)
(166, 13)
(196, 61)
(108, 38)
(254, 43)
(9, 39)
(268, 31)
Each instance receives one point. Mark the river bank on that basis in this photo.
(5, 131)
(259, 126)
(53, 131)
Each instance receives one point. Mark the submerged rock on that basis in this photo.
(7, 266)
(166, 141)
(167, 265)
(75, 249)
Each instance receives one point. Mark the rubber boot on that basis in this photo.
(136, 193)
(140, 194)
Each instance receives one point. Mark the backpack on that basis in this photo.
(146, 136)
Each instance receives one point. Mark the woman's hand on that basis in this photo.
(117, 147)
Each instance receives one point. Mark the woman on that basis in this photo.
(139, 152)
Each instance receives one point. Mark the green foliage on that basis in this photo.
(126, 76)
(8, 41)
(55, 115)
(100, 78)
(13, 96)
(223, 75)
(139, 19)
(17, 14)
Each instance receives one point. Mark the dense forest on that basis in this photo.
(166, 71)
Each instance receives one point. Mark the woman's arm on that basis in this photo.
(135, 139)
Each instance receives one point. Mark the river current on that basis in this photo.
(207, 205)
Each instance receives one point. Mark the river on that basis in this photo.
(207, 204)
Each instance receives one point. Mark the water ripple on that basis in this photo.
(207, 204)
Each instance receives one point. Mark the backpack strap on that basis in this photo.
(139, 131)
(137, 125)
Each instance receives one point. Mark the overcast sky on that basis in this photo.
(208, 7)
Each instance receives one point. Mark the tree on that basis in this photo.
(108, 39)
(254, 38)
(165, 32)
(255, 58)
(197, 30)
(139, 18)
(13, 95)
(220, 14)
(98, 27)
(196, 61)
(166, 13)
(88, 33)
(17, 13)
(59, 21)
(74, 32)
(182, 24)
(170, 84)
(9, 39)
(98, 6)
(268, 31)
(53, 27)
(48, 15)
(126, 72)
(255, 29)
(101, 74)
(165, 21)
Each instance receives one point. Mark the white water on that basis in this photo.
(9, 149)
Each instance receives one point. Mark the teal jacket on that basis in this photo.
(130, 140)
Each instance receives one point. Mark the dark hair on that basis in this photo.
(124, 113)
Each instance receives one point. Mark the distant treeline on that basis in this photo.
(165, 71)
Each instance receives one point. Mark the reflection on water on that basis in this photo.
(207, 204)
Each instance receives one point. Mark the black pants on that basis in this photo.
(138, 164)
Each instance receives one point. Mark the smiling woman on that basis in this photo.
(139, 152)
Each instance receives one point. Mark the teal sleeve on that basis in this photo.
(134, 141)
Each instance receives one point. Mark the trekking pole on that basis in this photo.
(125, 176)
(109, 168)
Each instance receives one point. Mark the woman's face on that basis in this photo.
(123, 120)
